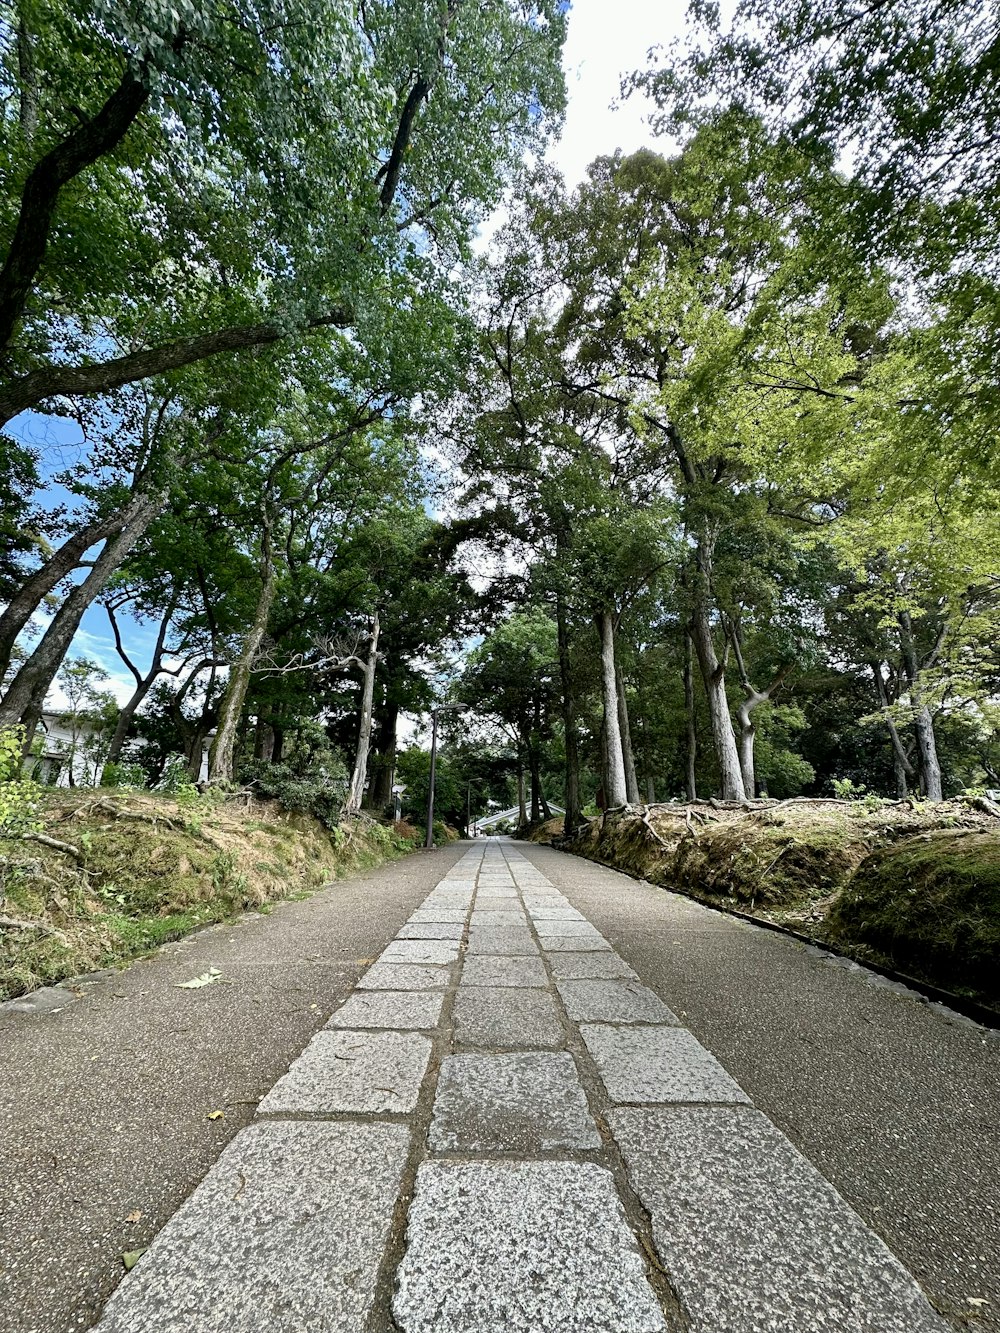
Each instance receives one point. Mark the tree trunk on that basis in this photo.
(714, 676)
(359, 778)
(535, 782)
(901, 766)
(81, 148)
(36, 587)
(222, 756)
(628, 755)
(899, 774)
(263, 740)
(930, 768)
(691, 782)
(615, 790)
(745, 742)
(571, 794)
(25, 697)
(923, 723)
(521, 807)
(385, 749)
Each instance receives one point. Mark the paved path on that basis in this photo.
(105, 1097)
(502, 1129)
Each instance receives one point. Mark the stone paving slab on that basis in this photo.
(597, 1001)
(547, 928)
(521, 1247)
(455, 902)
(658, 1064)
(483, 970)
(404, 976)
(443, 915)
(431, 930)
(390, 1009)
(420, 951)
(572, 966)
(352, 1070)
(531, 1101)
(507, 1018)
(574, 943)
(285, 1234)
(541, 914)
(753, 1237)
(501, 941)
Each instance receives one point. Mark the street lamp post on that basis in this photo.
(445, 708)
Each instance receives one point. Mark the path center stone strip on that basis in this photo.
(474, 1064)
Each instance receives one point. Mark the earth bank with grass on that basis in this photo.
(904, 885)
(106, 876)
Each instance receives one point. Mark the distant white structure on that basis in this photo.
(64, 752)
(488, 821)
(62, 749)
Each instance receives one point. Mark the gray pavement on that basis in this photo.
(895, 1102)
(533, 1125)
(105, 1094)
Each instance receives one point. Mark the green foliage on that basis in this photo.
(19, 796)
(312, 780)
(176, 782)
(127, 775)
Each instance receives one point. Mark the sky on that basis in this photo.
(606, 39)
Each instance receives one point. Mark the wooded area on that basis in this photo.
(685, 486)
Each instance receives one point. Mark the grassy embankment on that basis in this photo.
(137, 870)
(912, 887)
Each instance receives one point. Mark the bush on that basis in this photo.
(319, 794)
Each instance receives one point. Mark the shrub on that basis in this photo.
(318, 793)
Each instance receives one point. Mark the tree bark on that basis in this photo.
(81, 148)
(615, 790)
(571, 795)
(535, 781)
(103, 376)
(628, 754)
(691, 782)
(222, 755)
(929, 766)
(521, 806)
(25, 697)
(359, 778)
(37, 586)
(385, 748)
(713, 674)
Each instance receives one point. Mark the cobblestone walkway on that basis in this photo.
(503, 1131)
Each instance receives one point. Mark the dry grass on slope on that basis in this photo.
(907, 885)
(113, 875)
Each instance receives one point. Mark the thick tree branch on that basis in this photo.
(103, 376)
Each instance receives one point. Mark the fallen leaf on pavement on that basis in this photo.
(134, 1216)
(216, 1115)
(131, 1257)
(208, 978)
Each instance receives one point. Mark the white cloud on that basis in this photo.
(606, 40)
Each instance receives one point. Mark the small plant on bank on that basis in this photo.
(19, 796)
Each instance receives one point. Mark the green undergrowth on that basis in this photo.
(911, 887)
(139, 870)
